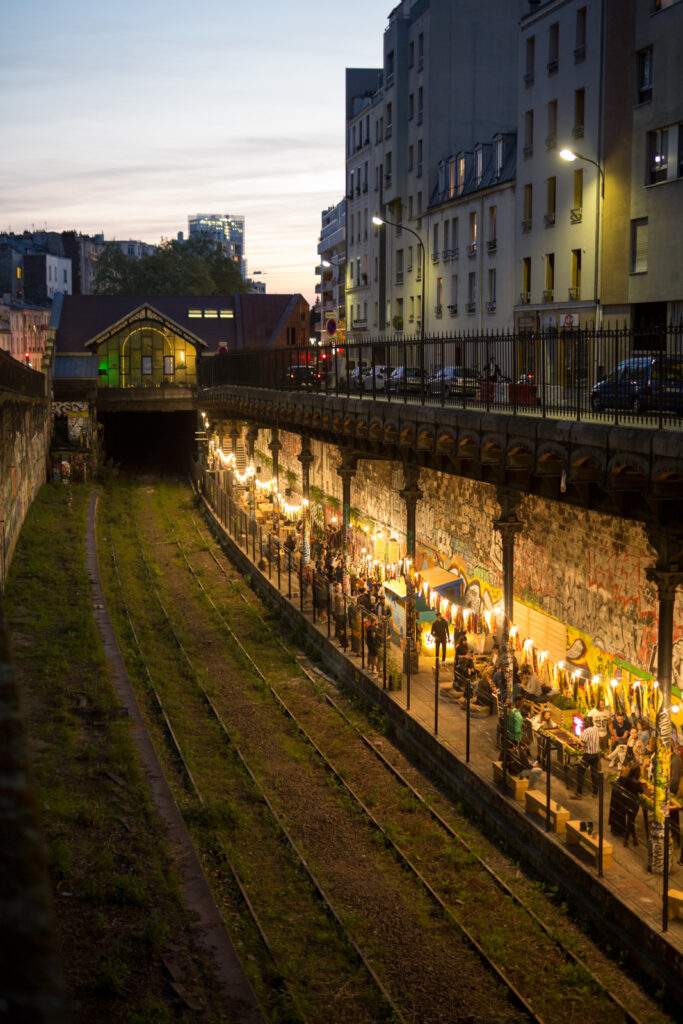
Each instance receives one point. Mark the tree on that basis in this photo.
(196, 267)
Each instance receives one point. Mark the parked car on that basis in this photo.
(640, 384)
(382, 374)
(303, 375)
(454, 382)
(356, 378)
(405, 379)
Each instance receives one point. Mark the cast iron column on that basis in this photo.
(275, 447)
(508, 526)
(347, 471)
(306, 460)
(411, 494)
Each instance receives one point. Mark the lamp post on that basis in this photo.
(378, 221)
(337, 262)
(570, 155)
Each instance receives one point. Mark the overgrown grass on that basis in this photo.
(117, 903)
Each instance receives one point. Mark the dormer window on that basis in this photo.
(461, 174)
(498, 156)
(479, 163)
(451, 178)
(442, 177)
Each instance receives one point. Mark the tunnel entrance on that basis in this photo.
(155, 442)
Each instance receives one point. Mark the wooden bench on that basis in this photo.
(675, 903)
(516, 787)
(535, 804)
(588, 843)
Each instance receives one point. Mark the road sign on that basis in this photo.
(331, 327)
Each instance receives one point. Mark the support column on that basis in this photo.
(667, 577)
(411, 494)
(275, 447)
(234, 436)
(252, 438)
(306, 460)
(347, 471)
(508, 526)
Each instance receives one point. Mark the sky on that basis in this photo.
(125, 117)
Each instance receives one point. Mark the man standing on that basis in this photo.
(441, 634)
(600, 717)
(590, 741)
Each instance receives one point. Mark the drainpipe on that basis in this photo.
(480, 245)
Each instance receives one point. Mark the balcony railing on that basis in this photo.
(548, 294)
(399, 277)
(553, 67)
(470, 308)
(526, 225)
(492, 244)
(438, 312)
(435, 257)
(453, 309)
(491, 306)
(529, 78)
(576, 215)
(524, 298)
(551, 141)
(471, 248)
(577, 131)
(575, 293)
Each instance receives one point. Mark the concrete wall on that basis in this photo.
(585, 569)
(25, 430)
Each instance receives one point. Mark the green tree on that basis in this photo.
(195, 267)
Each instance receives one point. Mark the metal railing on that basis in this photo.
(600, 374)
(19, 378)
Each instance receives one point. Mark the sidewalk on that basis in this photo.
(626, 877)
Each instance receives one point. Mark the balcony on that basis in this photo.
(579, 54)
(526, 225)
(438, 312)
(445, 255)
(491, 306)
(455, 253)
(576, 215)
(548, 294)
(492, 244)
(527, 152)
(418, 274)
(435, 257)
(549, 220)
(577, 131)
(359, 324)
(471, 308)
(553, 67)
(471, 249)
(575, 293)
(529, 78)
(551, 141)
(453, 309)
(399, 277)
(524, 298)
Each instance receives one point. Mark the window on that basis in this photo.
(660, 5)
(472, 287)
(579, 112)
(578, 189)
(580, 43)
(390, 64)
(435, 240)
(528, 208)
(376, 268)
(147, 366)
(411, 54)
(499, 156)
(439, 292)
(461, 174)
(411, 152)
(492, 289)
(365, 176)
(389, 121)
(451, 178)
(530, 59)
(410, 207)
(479, 164)
(549, 276)
(551, 199)
(420, 104)
(419, 158)
(446, 235)
(526, 278)
(551, 138)
(553, 47)
(169, 368)
(420, 49)
(528, 133)
(399, 266)
(657, 155)
(473, 226)
(644, 75)
(365, 225)
(454, 290)
(409, 263)
(226, 314)
(387, 170)
(575, 291)
(419, 204)
(493, 217)
(193, 314)
(212, 314)
(639, 246)
(454, 234)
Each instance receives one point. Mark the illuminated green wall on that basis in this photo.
(146, 355)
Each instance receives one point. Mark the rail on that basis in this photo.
(579, 373)
(20, 379)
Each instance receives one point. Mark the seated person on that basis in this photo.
(619, 729)
(529, 683)
(542, 720)
(522, 764)
(627, 753)
(485, 692)
(644, 731)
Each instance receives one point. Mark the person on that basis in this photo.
(542, 720)
(675, 772)
(627, 753)
(441, 634)
(590, 743)
(619, 729)
(514, 722)
(484, 692)
(522, 764)
(643, 732)
(599, 716)
(372, 639)
(529, 683)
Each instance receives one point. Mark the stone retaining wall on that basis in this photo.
(25, 431)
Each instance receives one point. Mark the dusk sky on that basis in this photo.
(126, 117)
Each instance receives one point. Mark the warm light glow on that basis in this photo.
(325, 263)
(528, 644)
(675, 708)
(377, 221)
(613, 683)
(567, 154)
(595, 679)
(514, 630)
(560, 664)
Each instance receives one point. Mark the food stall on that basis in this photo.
(433, 587)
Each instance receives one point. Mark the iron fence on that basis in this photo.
(20, 379)
(602, 374)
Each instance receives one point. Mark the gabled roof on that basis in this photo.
(256, 320)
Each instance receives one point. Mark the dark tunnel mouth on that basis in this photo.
(152, 442)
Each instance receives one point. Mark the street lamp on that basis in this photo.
(570, 155)
(378, 221)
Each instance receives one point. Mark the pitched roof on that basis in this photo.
(255, 323)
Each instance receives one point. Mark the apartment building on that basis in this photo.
(559, 201)
(642, 256)
(471, 241)
(332, 271)
(431, 99)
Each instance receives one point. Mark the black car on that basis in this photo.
(405, 379)
(454, 382)
(303, 375)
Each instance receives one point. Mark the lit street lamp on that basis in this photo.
(570, 155)
(378, 221)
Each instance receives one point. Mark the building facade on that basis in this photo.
(45, 275)
(331, 288)
(227, 229)
(429, 100)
